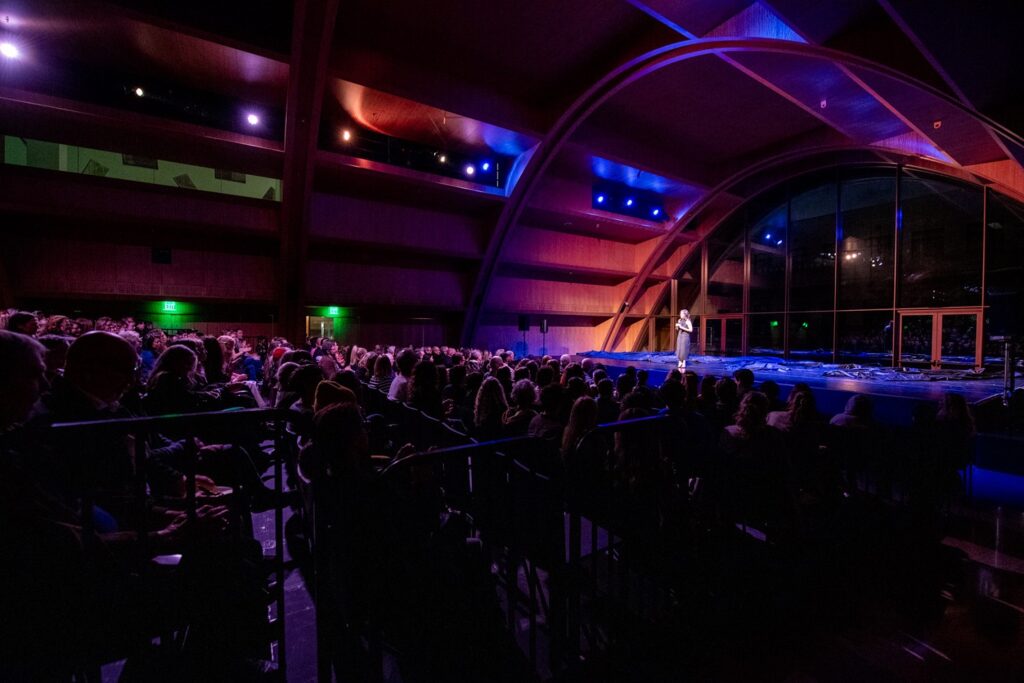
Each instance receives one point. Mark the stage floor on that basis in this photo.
(894, 400)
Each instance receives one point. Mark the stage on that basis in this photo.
(893, 393)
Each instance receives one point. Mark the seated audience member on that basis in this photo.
(770, 389)
(56, 353)
(744, 382)
(516, 420)
(489, 407)
(856, 414)
(455, 390)
(726, 402)
(800, 412)
(624, 384)
(216, 363)
(707, 399)
(607, 407)
(546, 424)
(23, 323)
(399, 390)
(285, 395)
(173, 388)
(303, 383)
(504, 375)
(382, 374)
(424, 394)
(328, 366)
(545, 376)
(153, 344)
(582, 420)
(347, 378)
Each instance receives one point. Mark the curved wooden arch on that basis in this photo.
(619, 78)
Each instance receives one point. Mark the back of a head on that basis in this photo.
(564, 360)
(382, 366)
(624, 384)
(582, 419)
(551, 398)
(178, 361)
(673, 394)
(725, 390)
(338, 432)
(347, 378)
(20, 322)
(524, 394)
(859, 406)
(769, 388)
(752, 413)
(605, 388)
(21, 369)
(406, 361)
(641, 378)
(330, 393)
(545, 376)
(744, 377)
(457, 375)
(101, 364)
(305, 380)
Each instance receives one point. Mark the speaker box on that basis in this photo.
(544, 326)
(524, 323)
(1003, 319)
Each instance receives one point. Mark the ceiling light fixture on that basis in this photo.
(9, 50)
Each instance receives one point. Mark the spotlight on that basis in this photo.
(486, 166)
(768, 236)
(9, 50)
(470, 169)
(629, 202)
(252, 119)
(600, 199)
(779, 243)
(656, 212)
(139, 92)
(442, 159)
(346, 135)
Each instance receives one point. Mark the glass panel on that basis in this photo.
(320, 327)
(765, 335)
(725, 277)
(734, 336)
(768, 261)
(663, 337)
(916, 347)
(1004, 242)
(865, 248)
(865, 338)
(959, 339)
(940, 244)
(713, 337)
(812, 237)
(53, 156)
(810, 336)
(689, 286)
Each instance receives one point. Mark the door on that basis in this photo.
(722, 335)
(318, 326)
(940, 339)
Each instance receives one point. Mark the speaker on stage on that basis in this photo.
(1004, 319)
(544, 326)
(524, 323)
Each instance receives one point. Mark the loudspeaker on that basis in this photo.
(544, 326)
(524, 323)
(1004, 315)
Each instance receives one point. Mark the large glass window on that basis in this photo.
(865, 338)
(1004, 274)
(725, 270)
(768, 261)
(812, 238)
(765, 335)
(810, 336)
(865, 247)
(940, 243)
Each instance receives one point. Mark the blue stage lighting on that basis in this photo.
(486, 166)
(600, 199)
(779, 243)
(470, 170)
(629, 202)
(656, 212)
(768, 236)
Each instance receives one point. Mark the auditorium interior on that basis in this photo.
(575, 340)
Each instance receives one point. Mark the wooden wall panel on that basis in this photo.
(350, 284)
(521, 294)
(536, 245)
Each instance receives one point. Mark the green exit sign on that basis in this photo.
(333, 311)
(170, 306)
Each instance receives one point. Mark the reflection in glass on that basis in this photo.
(865, 338)
(1004, 276)
(812, 237)
(940, 244)
(765, 335)
(725, 277)
(689, 287)
(916, 340)
(959, 339)
(734, 336)
(713, 337)
(768, 261)
(865, 248)
(810, 336)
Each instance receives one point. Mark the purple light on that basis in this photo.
(470, 170)
(9, 50)
(252, 119)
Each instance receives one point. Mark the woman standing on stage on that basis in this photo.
(685, 327)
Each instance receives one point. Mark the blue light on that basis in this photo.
(656, 212)
(629, 202)
(768, 236)
(779, 243)
(486, 166)
(600, 199)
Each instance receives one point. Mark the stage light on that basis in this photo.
(768, 236)
(486, 166)
(442, 159)
(346, 135)
(600, 199)
(656, 212)
(9, 50)
(779, 243)
(252, 119)
(470, 169)
(629, 202)
(139, 92)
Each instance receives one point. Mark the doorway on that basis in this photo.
(949, 338)
(722, 335)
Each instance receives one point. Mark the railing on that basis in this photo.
(248, 422)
